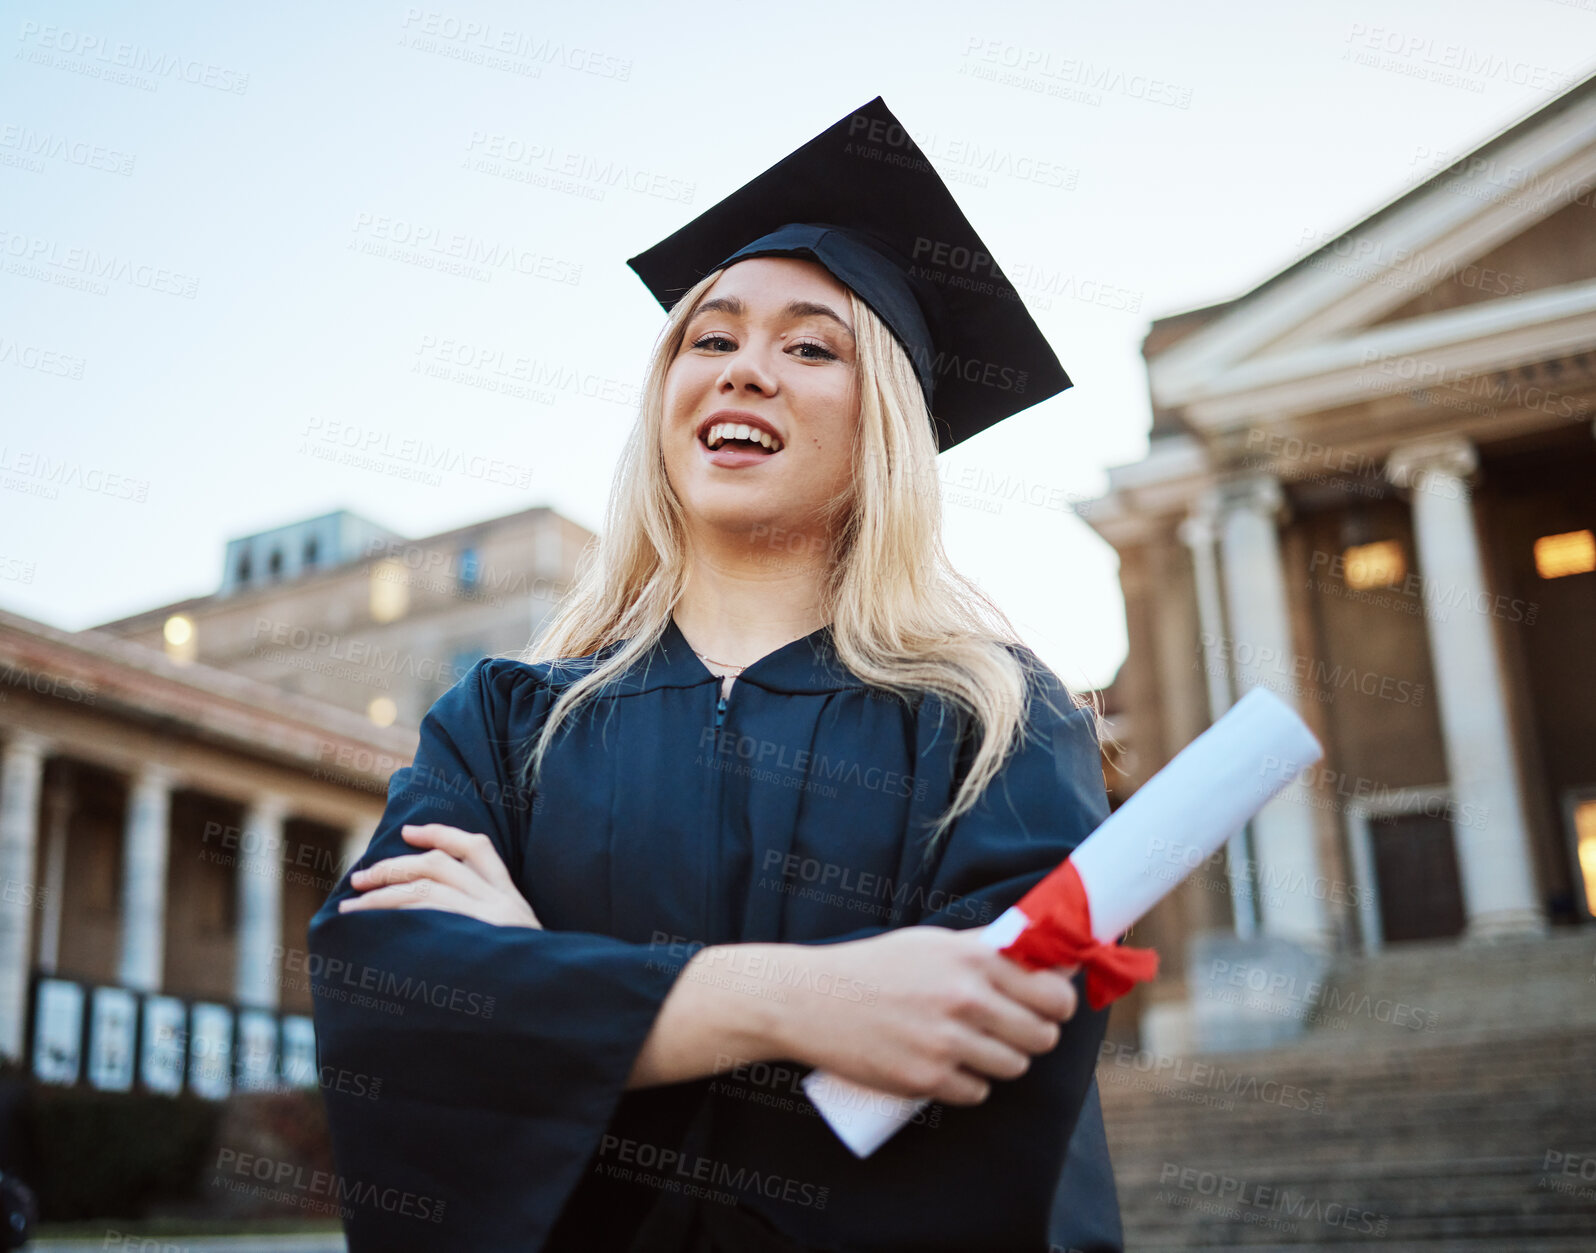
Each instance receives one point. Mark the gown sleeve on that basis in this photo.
(1039, 1136)
(494, 1056)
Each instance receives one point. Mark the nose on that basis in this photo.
(745, 371)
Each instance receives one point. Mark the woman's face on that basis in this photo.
(770, 346)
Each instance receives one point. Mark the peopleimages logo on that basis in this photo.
(1183, 1186)
(286, 1180)
(674, 1167)
(334, 971)
(1266, 879)
(792, 873)
(987, 373)
(1326, 679)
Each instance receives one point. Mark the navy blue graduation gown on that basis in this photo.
(668, 817)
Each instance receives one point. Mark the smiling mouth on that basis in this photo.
(740, 437)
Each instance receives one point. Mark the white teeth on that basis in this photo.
(723, 431)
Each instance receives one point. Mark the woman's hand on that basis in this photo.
(926, 1012)
(461, 873)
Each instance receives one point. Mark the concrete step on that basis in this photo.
(1548, 983)
(1447, 1244)
(1378, 1138)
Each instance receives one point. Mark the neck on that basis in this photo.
(745, 599)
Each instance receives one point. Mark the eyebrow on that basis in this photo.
(734, 307)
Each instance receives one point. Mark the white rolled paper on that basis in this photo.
(1171, 825)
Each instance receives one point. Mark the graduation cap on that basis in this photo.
(862, 199)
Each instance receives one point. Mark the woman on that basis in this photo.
(743, 809)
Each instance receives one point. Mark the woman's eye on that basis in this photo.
(820, 353)
(704, 341)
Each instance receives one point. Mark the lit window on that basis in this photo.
(1374, 565)
(470, 569)
(382, 711)
(390, 590)
(1573, 552)
(181, 638)
(1585, 841)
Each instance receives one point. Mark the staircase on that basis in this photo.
(1476, 1133)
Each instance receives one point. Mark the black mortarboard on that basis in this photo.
(862, 200)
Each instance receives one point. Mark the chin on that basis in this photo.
(727, 511)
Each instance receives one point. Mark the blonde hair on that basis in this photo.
(902, 618)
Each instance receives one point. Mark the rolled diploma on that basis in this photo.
(1142, 851)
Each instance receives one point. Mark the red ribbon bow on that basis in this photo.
(1060, 934)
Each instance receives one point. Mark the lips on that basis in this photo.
(732, 433)
(732, 439)
(732, 454)
(738, 428)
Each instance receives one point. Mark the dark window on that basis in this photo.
(1415, 861)
(274, 563)
(310, 551)
(470, 569)
(243, 566)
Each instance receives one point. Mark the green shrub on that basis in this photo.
(91, 1154)
(99, 1154)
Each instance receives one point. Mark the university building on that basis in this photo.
(166, 833)
(180, 790)
(1371, 488)
(342, 610)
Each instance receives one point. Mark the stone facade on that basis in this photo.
(1371, 487)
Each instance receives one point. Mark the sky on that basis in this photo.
(278, 196)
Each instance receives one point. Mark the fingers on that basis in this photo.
(962, 1088)
(1049, 993)
(1013, 1023)
(990, 1057)
(422, 894)
(474, 849)
(955, 1065)
(434, 865)
(997, 1044)
(460, 872)
(1017, 1018)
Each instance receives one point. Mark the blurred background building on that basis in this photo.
(1371, 488)
(180, 790)
(339, 609)
(166, 833)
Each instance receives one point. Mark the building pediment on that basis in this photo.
(1491, 262)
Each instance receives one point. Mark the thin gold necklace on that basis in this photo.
(713, 662)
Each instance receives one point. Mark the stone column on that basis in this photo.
(145, 842)
(1285, 842)
(1494, 859)
(1198, 533)
(21, 775)
(260, 903)
(57, 818)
